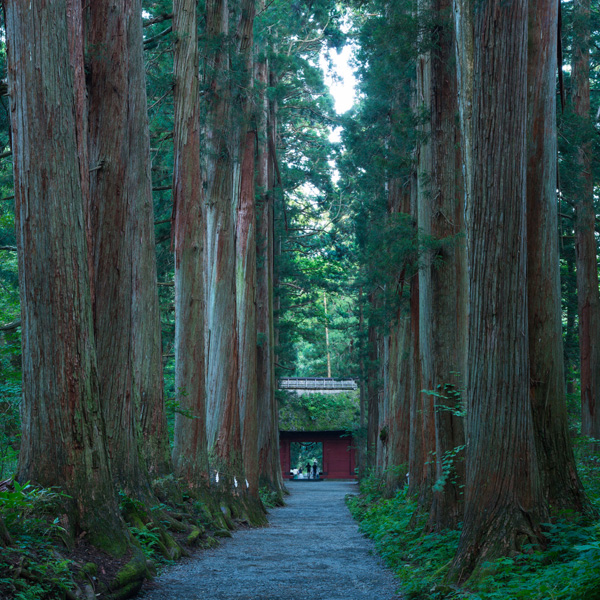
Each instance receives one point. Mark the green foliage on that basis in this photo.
(567, 569)
(270, 498)
(144, 527)
(149, 541)
(318, 412)
(30, 567)
(24, 507)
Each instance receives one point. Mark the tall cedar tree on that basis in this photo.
(269, 467)
(190, 452)
(443, 276)
(423, 435)
(230, 266)
(562, 488)
(63, 441)
(223, 419)
(504, 511)
(588, 296)
(245, 248)
(125, 298)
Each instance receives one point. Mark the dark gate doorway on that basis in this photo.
(303, 455)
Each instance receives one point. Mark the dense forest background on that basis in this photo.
(443, 253)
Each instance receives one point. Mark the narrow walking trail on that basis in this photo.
(312, 550)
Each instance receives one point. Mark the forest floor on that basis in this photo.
(311, 550)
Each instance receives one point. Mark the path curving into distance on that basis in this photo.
(311, 550)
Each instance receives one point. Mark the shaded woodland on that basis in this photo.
(179, 228)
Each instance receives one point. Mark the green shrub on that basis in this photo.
(567, 569)
(30, 567)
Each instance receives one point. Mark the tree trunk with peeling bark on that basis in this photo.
(443, 274)
(269, 466)
(246, 313)
(63, 442)
(372, 388)
(245, 247)
(222, 402)
(397, 384)
(588, 297)
(126, 315)
(504, 511)
(190, 453)
(422, 475)
(561, 484)
(230, 251)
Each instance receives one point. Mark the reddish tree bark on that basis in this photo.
(561, 484)
(503, 496)
(63, 441)
(223, 418)
(245, 247)
(126, 316)
(422, 472)
(268, 427)
(420, 465)
(246, 313)
(397, 384)
(190, 454)
(372, 388)
(443, 277)
(588, 297)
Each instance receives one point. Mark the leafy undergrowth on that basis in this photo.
(568, 569)
(270, 498)
(40, 561)
(30, 565)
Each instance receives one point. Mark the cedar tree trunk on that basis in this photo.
(269, 466)
(190, 453)
(126, 316)
(588, 298)
(444, 318)
(221, 138)
(562, 488)
(503, 499)
(63, 441)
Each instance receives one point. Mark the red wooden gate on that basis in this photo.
(339, 456)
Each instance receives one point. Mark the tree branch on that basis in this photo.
(11, 326)
(153, 39)
(158, 19)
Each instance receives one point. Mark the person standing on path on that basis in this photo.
(315, 469)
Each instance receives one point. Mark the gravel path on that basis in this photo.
(311, 551)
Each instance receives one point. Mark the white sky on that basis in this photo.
(341, 82)
(342, 91)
